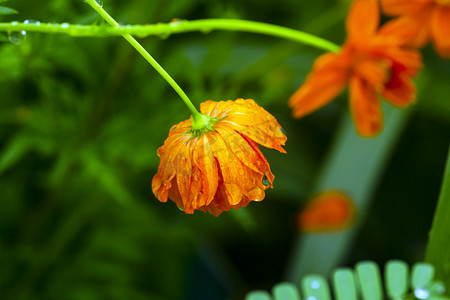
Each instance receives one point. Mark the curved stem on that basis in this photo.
(195, 114)
(181, 26)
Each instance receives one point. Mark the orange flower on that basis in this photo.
(328, 211)
(222, 167)
(371, 62)
(420, 21)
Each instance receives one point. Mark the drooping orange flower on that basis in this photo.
(420, 21)
(372, 62)
(221, 167)
(327, 211)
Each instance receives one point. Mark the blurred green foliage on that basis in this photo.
(81, 119)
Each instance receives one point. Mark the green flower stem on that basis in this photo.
(439, 239)
(195, 114)
(165, 30)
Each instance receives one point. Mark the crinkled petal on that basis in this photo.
(327, 79)
(363, 19)
(246, 151)
(365, 107)
(238, 179)
(221, 203)
(440, 30)
(248, 118)
(208, 170)
(169, 154)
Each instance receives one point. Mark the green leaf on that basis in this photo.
(7, 11)
(344, 285)
(369, 279)
(315, 286)
(13, 152)
(422, 275)
(258, 295)
(3, 1)
(437, 250)
(396, 278)
(285, 291)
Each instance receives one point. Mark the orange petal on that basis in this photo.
(363, 19)
(169, 154)
(403, 7)
(205, 162)
(440, 30)
(400, 91)
(408, 30)
(249, 119)
(365, 107)
(327, 79)
(328, 211)
(245, 150)
(374, 72)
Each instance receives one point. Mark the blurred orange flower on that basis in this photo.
(371, 62)
(420, 21)
(222, 167)
(328, 211)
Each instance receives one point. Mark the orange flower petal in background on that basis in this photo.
(420, 21)
(221, 168)
(374, 63)
(327, 211)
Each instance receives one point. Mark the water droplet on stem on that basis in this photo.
(17, 37)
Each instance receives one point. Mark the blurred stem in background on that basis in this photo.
(165, 30)
(438, 252)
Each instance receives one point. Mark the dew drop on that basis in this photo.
(31, 22)
(175, 22)
(14, 23)
(438, 288)
(164, 35)
(205, 30)
(265, 181)
(17, 37)
(65, 25)
(241, 172)
(196, 177)
(315, 284)
(311, 298)
(421, 293)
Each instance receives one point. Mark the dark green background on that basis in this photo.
(81, 119)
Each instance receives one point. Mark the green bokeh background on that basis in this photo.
(81, 119)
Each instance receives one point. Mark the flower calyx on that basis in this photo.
(202, 124)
